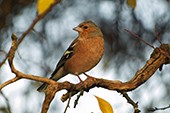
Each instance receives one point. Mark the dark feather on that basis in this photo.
(67, 54)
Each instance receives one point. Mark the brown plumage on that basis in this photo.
(83, 54)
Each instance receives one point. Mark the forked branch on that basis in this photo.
(159, 57)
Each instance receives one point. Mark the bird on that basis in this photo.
(82, 55)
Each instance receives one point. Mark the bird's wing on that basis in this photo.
(67, 55)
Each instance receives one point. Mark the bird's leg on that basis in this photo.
(88, 76)
(80, 79)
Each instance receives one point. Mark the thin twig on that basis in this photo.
(39, 17)
(29, 29)
(22, 37)
(130, 101)
(39, 34)
(157, 37)
(78, 97)
(1, 63)
(7, 102)
(68, 103)
(2, 51)
(156, 108)
(139, 38)
(18, 73)
(9, 82)
(141, 76)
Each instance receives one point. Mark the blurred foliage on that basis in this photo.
(8, 7)
(131, 3)
(42, 48)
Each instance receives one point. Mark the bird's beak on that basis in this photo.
(78, 29)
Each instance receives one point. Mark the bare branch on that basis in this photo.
(19, 74)
(141, 76)
(78, 97)
(7, 102)
(159, 57)
(37, 19)
(2, 51)
(9, 82)
(49, 95)
(139, 38)
(68, 103)
(156, 108)
(1, 63)
(157, 37)
(130, 101)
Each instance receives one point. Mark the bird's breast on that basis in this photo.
(87, 55)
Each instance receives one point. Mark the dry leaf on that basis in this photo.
(105, 107)
(44, 5)
(131, 3)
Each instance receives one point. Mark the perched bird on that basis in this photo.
(83, 54)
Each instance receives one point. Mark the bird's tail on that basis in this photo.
(42, 87)
(56, 75)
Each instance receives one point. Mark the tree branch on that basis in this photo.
(130, 101)
(7, 102)
(159, 57)
(156, 108)
(68, 104)
(3, 61)
(35, 21)
(19, 74)
(135, 35)
(9, 82)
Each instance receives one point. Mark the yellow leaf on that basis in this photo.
(131, 3)
(44, 5)
(105, 107)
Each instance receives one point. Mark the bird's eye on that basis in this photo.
(85, 27)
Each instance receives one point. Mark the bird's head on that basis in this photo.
(87, 28)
